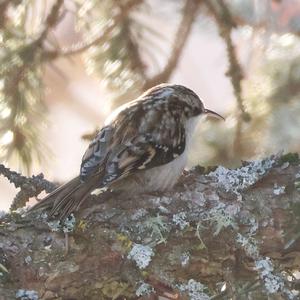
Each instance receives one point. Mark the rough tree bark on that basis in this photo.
(227, 234)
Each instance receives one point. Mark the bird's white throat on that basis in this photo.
(190, 127)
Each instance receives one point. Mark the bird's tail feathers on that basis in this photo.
(66, 198)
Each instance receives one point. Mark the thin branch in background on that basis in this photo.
(226, 24)
(189, 14)
(51, 20)
(83, 46)
(30, 186)
(3, 7)
(137, 63)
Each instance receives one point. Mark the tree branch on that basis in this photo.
(127, 248)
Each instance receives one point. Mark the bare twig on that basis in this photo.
(51, 20)
(30, 186)
(83, 46)
(225, 23)
(188, 16)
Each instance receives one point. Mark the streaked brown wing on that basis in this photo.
(141, 153)
(96, 153)
(140, 137)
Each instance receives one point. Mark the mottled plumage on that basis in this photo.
(142, 147)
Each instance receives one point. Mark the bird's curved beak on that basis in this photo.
(213, 114)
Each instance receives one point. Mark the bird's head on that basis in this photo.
(192, 104)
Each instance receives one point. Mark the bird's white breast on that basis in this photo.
(164, 177)
(190, 127)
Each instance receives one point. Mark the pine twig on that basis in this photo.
(22, 80)
(30, 186)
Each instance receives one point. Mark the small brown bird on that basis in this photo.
(142, 148)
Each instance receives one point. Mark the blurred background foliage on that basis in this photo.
(129, 53)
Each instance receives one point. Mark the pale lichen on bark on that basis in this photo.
(206, 234)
